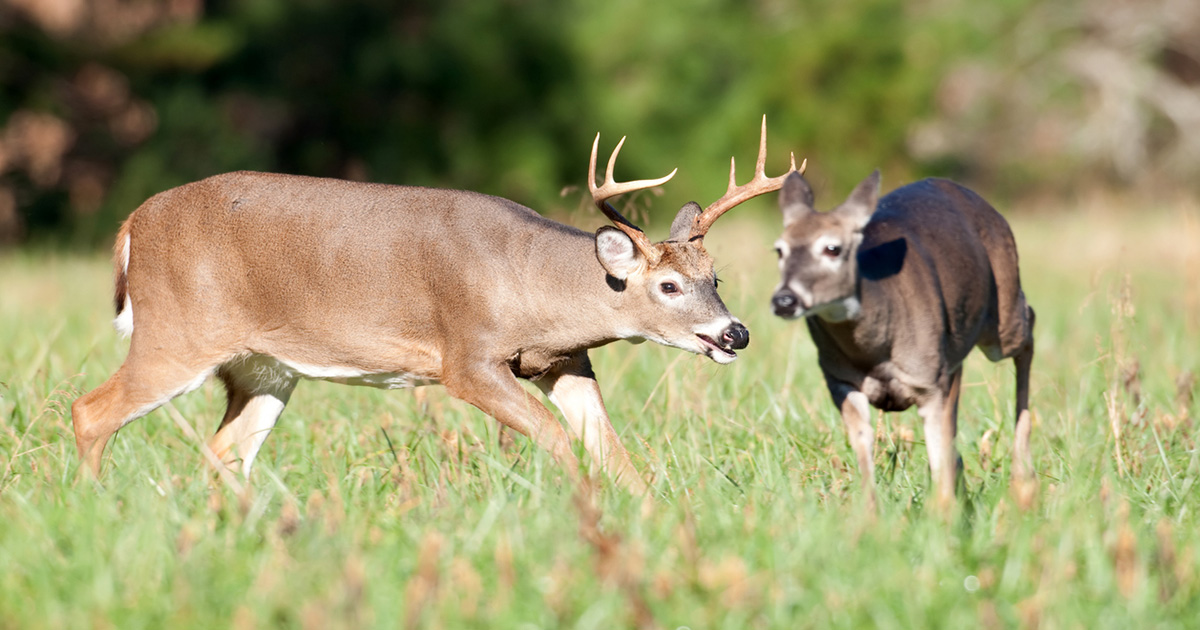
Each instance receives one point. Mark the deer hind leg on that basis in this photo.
(940, 416)
(495, 391)
(1022, 468)
(142, 384)
(258, 389)
(856, 415)
(574, 390)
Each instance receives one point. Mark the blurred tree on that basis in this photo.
(1096, 93)
(106, 102)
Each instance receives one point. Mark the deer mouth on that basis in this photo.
(789, 313)
(716, 351)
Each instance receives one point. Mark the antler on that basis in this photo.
(612, 188)
(735, 194)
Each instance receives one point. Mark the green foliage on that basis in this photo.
(500, 97)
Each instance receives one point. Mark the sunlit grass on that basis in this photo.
(373, 508)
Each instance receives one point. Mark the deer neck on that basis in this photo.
(847, 310)
(579, 306)
(862, 320)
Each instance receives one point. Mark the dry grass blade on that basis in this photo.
(615, 562)
(1185, 386)
(1115, 420)
(422, 588)
(48, 404)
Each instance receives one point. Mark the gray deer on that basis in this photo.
(896, 291)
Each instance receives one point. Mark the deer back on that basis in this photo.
(923, 275)
(923, 250)
(326, 271)
(381, 278)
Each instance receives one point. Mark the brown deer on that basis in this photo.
(264, 279)
(896, 291)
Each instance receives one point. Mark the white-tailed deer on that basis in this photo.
(896, 291)
(264, 279)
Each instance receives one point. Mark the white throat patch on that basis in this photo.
(839, 311)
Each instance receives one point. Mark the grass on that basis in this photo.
(375, 509)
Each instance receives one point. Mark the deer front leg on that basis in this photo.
(856, 414)
(572, 388)
(940, 415)
(496, 392)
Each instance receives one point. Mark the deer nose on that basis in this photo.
(784, 302)
(736, 336)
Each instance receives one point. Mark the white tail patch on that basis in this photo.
(124, 320)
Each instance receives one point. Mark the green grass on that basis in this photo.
(365, 511)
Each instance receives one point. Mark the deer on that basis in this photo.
(262, 280)
(895, 293)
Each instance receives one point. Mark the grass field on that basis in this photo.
(369, 509)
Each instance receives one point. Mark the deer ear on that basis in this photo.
(616, 253)
(860, 205)
(795, 198)
(681, 227)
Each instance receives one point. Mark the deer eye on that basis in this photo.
(668, 288)
(778, 252)
(833, 251)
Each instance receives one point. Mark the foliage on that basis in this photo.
(105, 103)
(374, 509)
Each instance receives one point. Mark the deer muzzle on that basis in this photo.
(787, 304)
(736, 336)
(721, 347)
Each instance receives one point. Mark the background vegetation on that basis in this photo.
(381, 509)
(105, 102)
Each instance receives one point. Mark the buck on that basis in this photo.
(264, 279)
(896, 291)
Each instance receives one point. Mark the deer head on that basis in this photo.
(676, 275)
(818, 252)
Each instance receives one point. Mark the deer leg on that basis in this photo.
(1022, 467)
(856, 414)
(249, 418)
(574, 390)
(496, 392)
(940, 414)
(139, 386)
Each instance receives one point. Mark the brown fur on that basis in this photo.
(248, 275)
(931, 275)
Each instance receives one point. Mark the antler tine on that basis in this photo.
(732, 176)
(592, 166)
(611, 188)
(612, 161)
(761, 165)
(734, 194)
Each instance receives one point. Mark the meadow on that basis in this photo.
(385, 509)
